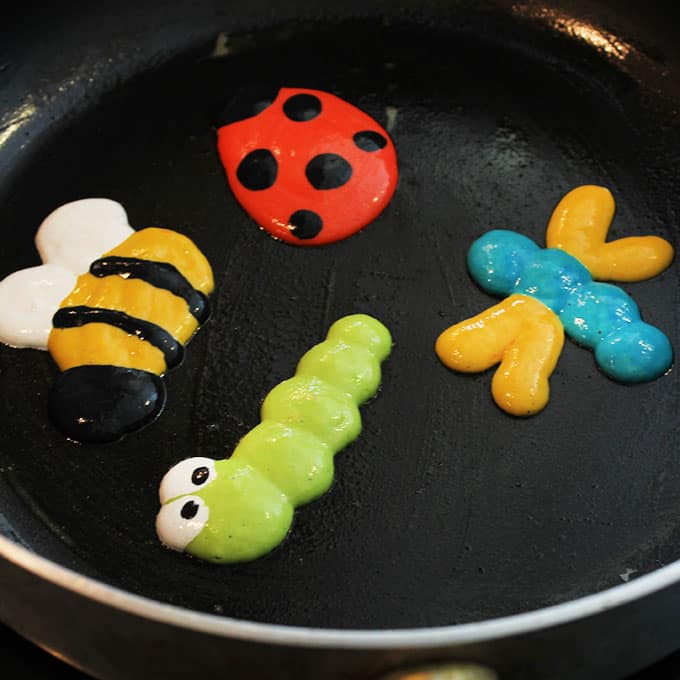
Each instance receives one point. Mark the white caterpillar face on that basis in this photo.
(181, 520)
(187, 477)
(183, 514)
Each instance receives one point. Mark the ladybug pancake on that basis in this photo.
(309, 168)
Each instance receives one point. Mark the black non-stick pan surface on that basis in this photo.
(446, 509)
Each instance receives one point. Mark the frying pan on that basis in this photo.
(543, 548)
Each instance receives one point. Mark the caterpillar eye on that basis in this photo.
(181, 520)
(187, 477)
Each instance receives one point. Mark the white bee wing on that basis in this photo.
(77, 233)
(28, 300)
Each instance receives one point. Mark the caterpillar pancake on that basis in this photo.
(240, 508)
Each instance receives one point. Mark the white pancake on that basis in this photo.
(28, 300)
(77, 233)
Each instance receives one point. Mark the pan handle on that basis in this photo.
(449, 671)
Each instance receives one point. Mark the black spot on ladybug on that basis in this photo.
(328, 171)
(246, 103)
(305, 224)
(258, 170)
(367, 140)
(302, 107)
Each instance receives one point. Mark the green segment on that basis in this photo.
(249, 515)
(351, 368)
(287, 460)
(362, 330)
(314, 405)
(294, 460)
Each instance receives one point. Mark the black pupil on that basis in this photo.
(189, 510)
(200, 475)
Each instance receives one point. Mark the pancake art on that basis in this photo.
(552, 290)
(307, 166)
(113, 330)
(240, 508)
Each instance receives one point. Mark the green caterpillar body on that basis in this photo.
(240, 508)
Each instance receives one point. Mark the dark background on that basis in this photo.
(20, 659)
(478, 514)
(602, 134)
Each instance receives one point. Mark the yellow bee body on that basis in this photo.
(104, 344)
(123, 325)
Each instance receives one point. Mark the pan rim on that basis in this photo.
(300, 636)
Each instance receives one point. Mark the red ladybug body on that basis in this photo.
(310, 168)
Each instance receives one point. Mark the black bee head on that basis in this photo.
(98, 404)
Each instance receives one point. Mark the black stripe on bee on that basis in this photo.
(74, 317)
(159, 275)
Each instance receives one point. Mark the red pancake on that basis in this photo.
(310, 168)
